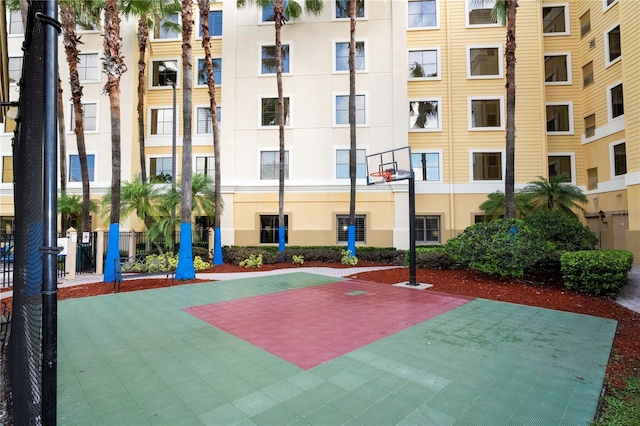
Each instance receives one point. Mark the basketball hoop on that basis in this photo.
(381, 177)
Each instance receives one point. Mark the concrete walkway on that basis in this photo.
(629, 297)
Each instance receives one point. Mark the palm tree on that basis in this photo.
(351, 232)
(555, 194)
(70, 208)
(148, 12)
(211, 85)
(495, 206)
(62, 144)
(280, 15)
(185, 270)
(114, 67)
(135, 197)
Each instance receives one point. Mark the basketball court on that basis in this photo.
(309, 349)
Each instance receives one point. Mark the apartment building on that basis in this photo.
(430, 75)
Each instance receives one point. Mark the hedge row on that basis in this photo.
(332, 254)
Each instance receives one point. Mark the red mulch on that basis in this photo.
(544, 292)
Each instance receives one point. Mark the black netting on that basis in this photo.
(25, 343)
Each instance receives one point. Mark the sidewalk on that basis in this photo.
(629, 297)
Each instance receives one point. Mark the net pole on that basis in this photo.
(412, 229)
(50, 283)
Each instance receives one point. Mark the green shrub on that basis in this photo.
(313, 253)
(200, 265)
(433, 257)
(297, 259)
(502, 247)
(377, 254)
(201, 252)
(252, 261)
(348, 259)
(596, 272)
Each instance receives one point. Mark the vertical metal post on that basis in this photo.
(50, 280)
(412, 230)
(173, 165)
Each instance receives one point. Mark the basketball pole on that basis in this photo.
(412, 229)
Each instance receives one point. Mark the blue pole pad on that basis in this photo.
(351, 241)
(113, 253)
(185, 269)
(281, 239)
(217, 247)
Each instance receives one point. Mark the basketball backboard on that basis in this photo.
(389, 166)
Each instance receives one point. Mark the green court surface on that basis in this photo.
(138, 358)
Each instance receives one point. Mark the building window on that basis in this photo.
(267, 11)
(592, 178)
(559, 118)
(616, 101)
(216, 64)
(606, 4)
(269, 65)
(612, 46)
(342, 56)
(342, 164)
(590, 126)
(270, 231)
(164, 73)
(167, 28)
(587, 74)
(89, 67)
(487, 166)
(89, 117)
(484, 62)
(160, 170)
(205, 124)
(15, 69)
(424, 115)
(215, 24)
(480, 12)
(585, 23)
(162, 121)
(560, 165)
(554, 20)
(557, 69)
(427, 229)
(342, 9)
(270, 112)
(342, 227)
(426, 166)
(7, 169)
(620, 159)
(424, 63)
(342, 109)
(270, 165)
(75, 175)
(485, 114)
(205, 166)
(15, 22)
(423, 13)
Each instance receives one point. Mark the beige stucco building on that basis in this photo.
(430, 75)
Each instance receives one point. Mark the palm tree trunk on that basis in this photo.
(62, 150)
(278, 11)
(143, 38)
(510, 54)
(211, 86)
(351, 242)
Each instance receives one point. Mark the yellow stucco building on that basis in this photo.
(430, 75)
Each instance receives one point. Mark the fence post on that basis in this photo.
(72, 246)
(132, 243)
(99, 251)
(210, 242)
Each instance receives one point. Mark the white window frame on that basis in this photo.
(366, 109)
(275, 126)
(418, 177)
(470, 114)
(503, 164)
(148, 161)
(150, 122)
(11, 18)
(358, 216)
(433, 27)
(287, 176)
(425, 242)
(569, 81)
(466, 18)
(567, 23)
(71, 116)
(358, 18)
(570, 113)
(572, 159)
(271, 74)
(612, 160)
(150, 85)
(500, 61)
(21, 58)
(199, 25)
(196, 120)
(213, 166)
(78, 183)
(177, 37)
(97, 80)
(335, 164)
(196, 84)
(610, 116)
(606, 6)
(607, 62)
(366, 56)
(435, 99)
(438, 65)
